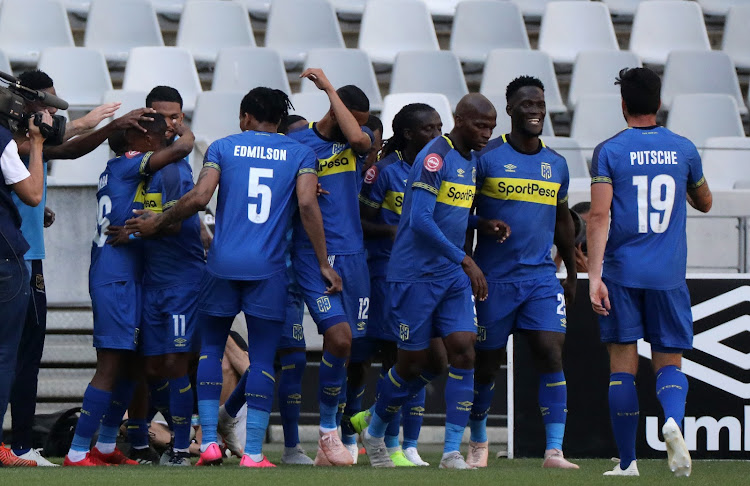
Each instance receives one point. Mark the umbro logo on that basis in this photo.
(510, 168)
(461, 172)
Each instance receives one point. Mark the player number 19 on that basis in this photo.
(661, 201)
(258, 213)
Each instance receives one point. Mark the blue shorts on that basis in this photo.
(533, 305)
(352, 305)
(423, 310)
(293, 334)
(117, 314)
(379, 326)
(169, 320)
(260, 298)
(663, 318)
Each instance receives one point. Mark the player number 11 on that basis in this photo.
(661, 201)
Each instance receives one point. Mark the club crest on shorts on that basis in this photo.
(481, 334)
(298, 333)
(403, 332)
(546, 170)
(324, 305)
(433, 162)
(39, 282)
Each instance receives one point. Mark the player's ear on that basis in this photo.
(408, 135)
(508, 109)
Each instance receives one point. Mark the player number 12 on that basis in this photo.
(258, 213)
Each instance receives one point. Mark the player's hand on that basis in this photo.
(146, 223)
(582, 261)
(494, 227)
(117, 236)
(131, 119)
(478, 282)
(569, 286)
(181, 129)
(95, 116)
(333, 281)
(317, 76)
(321, 191)
(49, 217)
(599, 296)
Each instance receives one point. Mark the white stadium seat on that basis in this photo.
(349, 9)
(572, 26)
(244, 68)
(622, 7)
(393, 103)
(130, 100)
(311, 105)
(597, 118)
(661, 26)
(534, 9)
(29, 26)
(116, 27)
(83, 171)
(342, 67)
(736, 37)
(688, 72)
(719, 7)
(594, 72)
(504, 65)
(210, 25)
(296, 26)
(4, 63)
(172, 66)
(443, 9)
(66, 64)
(429, 72)
(258, 8)
(482, 25)
(169, 8)
(216, 115)
(391, 26)
(77, 7)
(571, 150)
(702, 116)
(726, 161)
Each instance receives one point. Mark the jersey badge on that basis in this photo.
(132, 154)
(371, 175)
(433, 162)
(546, 170)
(510, 168)
(474, 175)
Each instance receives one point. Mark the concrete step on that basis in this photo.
(70, 320)
(66, 384)
(69, 350)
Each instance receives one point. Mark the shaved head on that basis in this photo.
(475, 119)
(475, 104)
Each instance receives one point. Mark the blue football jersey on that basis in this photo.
(443, 171)
(339, 171)
(383, 189)
(121, 190)
(174, 259)
(255, 203)
(650, 170)
(523, 190)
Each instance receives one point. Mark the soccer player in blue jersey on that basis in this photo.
(524, 183)
(643, 177)
(340, 145)
(114, 284)
(381, 201)
(259, 173)
(432, 281)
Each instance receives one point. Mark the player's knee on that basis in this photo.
(463, 358)
(338, 340)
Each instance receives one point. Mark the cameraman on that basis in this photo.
(28, 186)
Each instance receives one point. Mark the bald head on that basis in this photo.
(475, 104)
(475, 119)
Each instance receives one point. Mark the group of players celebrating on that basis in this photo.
(384, 259)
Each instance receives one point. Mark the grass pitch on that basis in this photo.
(514, 472)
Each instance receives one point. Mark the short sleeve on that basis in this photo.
(213, 156)
(562, 194)
(132, 166)
(695, 176)
(171, 185)
(430, 175)
(600, 170)
(12, 165)
(309, 163)
(373, 189)
(480, 171)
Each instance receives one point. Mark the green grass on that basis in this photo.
(500, 472)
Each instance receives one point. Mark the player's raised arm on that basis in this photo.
(180, 149)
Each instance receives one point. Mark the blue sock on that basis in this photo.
(119, 401)
(181, 405)
(342, 404)
(257, 423)
(160, 397)
(332, 381)
(483, 393)
(394, 392)
(209, 381)
(290, 395)
(353, 406)
(95, 403)
(236, 400)
(391, 431)
(459, 396)
(623, 412)
(412, 414)
(672, 390)
(137, 433)
(553, 399)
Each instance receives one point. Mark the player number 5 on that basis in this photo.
(258, 213)
(661, 201)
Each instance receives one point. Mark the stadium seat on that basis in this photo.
(736, 37)
(719, 7)
(569, 148)
(534, 9)
(244, 68)
(661, 26)
(29, 26)
(84, 171)
(173, 66)
(429, 72)
(482, 25)
(726, 161)
(170, 8)
(443, 9)
(503, 119)
(296, 26)
(207, 26)
(393, 103)
(4, 63)
(391, 26)
(594, 72)
(79, 8)
(66, 65)
(597, 118)
(131, 100)
(216, 116)
(116, 27)
(571, 27)
(625, 8)
(311, 105)
(504, 65)
(258, 8)
(702, 116)
(342, 67)
(349, 9)
(689, 72)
